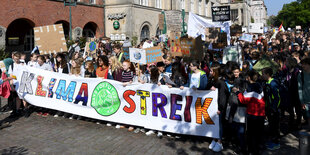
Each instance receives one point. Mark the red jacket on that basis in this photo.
(253, 97)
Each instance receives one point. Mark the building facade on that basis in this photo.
(259, 11)
(19, 17)
(138, 19)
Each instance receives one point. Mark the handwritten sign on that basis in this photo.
(174, 20)
(246, 37)
(220, 13)
(221, 41)
(153, 54)
(187, 46)
(212, 33)
(91, 49)
(137, 55)
(235, 29)
(50, 39)
(175, 44)
(126, 52)
(161, 21)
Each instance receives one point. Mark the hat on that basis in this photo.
(160, 64)
(296, 44)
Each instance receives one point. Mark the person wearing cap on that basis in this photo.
(298, 49)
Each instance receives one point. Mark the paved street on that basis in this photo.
(49, 135)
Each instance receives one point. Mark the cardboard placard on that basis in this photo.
(50, 39)
(197, 53)
(91, 49)
(175, 44)
(235, 29)
(221, 41)
(246, 37)
(161, 21)
(126, 53)
(187, 46)
(174, 20)
(137, 55)
(153, 54)
(232, 53)
(212, 33)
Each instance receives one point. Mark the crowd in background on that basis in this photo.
(251, 104)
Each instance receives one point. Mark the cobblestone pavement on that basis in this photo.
(49, 135)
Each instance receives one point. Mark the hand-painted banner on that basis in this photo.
(187, 111)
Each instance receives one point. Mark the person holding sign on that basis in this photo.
(118, 53)
(197, 79)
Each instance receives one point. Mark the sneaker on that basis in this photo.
(273, 146)
(97, 122)
(117, 126)
(137, 130)
(159, 134)
(151, 132)
(142, 130)
(56, 115)
(109, 124)
(218, 147)
(39, 113)
(177, 137)
(211, 146)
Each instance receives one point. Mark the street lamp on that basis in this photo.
(70, 3)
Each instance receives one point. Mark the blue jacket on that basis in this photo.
(202, 82)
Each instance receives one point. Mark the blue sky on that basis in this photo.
(274, 6)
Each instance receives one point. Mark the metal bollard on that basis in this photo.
(304, 143)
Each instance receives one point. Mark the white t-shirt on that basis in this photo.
(45, 66)
(195, 79)
(32, 63)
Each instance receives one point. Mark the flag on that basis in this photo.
(281, 28)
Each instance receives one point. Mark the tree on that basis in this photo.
(273, 21)
(295, 13)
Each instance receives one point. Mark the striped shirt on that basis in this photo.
(127, 76)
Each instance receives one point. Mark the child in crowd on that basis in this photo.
(33, 60)
(140, 75)
(102, 70)
(128, 73)
(116, 68)
(90, 71)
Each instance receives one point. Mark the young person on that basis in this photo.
(102, 70)
(90, 71)
(197, 79)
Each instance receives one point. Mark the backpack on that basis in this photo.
(284, 93)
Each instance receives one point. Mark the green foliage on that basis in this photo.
(295, 13)
(252, 20)
(273, 21)
(4, 54)
(134, 40)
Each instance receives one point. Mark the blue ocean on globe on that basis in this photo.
(137, 55)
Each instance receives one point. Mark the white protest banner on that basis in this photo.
(137, 55)
(246, 37)
(197, 26)
(232, 53)
(186, 111)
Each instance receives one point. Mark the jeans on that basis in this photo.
(255, 132)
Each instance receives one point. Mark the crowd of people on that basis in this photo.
(251, 103)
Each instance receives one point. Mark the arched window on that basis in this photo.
(145, 32)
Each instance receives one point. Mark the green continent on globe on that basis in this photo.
(105, 99)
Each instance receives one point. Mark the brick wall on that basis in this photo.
(46, 12)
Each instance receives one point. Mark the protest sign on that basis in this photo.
(153, 54)
(256, 27)
(126, 52)
(265, 62)
(50, 39)
(221, 41)
(232, 53)
(91, 49)
(216, 37)
(187, 111)
(175, 44)
(197, 53)
(235, 30)
(220, 13)
(187, 46)
(246, 37)
(161, 21)
(174, 20)
(137, 55)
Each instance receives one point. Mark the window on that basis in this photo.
(144, 2)
(192, 6)
(200, 7)
(206, 6)
(233, 14)
(158, 4)
(92, 1)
